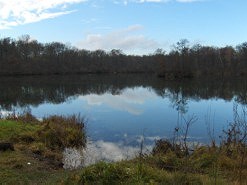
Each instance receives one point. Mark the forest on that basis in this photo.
(24, 56)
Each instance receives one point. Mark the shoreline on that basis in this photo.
(168, 162)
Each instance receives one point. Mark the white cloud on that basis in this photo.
(127, 39)
(18, 12)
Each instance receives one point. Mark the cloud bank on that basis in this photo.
(19, 12)
(127, 39)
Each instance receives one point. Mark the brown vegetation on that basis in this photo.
(45, 139)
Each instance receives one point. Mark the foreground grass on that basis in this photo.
(38, 147)
(133, 172)
(203, 169)
(17, 167)
(38, 151)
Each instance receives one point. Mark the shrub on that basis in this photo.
(59, 132)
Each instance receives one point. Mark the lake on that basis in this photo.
(122, 111)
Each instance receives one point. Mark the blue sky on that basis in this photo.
(135, 26)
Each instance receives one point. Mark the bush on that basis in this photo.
(59, 132)
(46, 138)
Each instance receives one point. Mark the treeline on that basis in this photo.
(26, 56)
(198, 60)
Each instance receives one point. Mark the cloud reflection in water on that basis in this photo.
(110, 152)
(128, 100)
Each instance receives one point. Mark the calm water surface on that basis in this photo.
(123, 110)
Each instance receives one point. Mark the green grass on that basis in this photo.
(10, 130)
(21, 168)
(206, 165)
(38, 148)
(129, 172)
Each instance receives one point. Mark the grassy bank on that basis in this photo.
(33, 149)
(206, 165)
(179, 162)
(36, 157)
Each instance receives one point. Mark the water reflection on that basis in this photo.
(26, 91)
(123, 108)
(128, 100)
(98, 151)
(110, 151)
